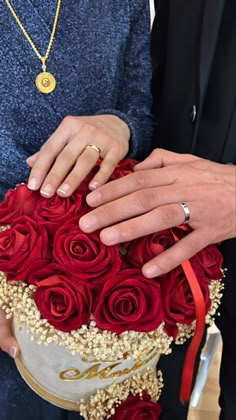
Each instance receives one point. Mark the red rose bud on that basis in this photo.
(17, 202)
(129, 301)
(137, 408)
(21, 246)
(63, 302)
(85, 256)
(178, 303)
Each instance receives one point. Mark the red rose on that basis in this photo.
(178, 303)
(64, 302)
(85, 256)
(137, 408)
(144, 249)
(181, 231)
(210, 260)
(129, 301)
(55, 211)
(20, 246)
(17, 202)
(42, 272)
(123, 168)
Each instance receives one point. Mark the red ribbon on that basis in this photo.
(189, 361)
(200, 309)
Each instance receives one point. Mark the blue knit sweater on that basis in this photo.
(100, 58)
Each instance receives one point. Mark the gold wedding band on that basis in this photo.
(186, 212)
(94, 147)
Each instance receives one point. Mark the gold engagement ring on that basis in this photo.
(94, 147)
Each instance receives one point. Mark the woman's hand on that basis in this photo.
(8, 343)
(64, 161)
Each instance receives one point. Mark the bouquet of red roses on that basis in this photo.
(73, 291)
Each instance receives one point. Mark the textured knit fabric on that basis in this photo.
(100, 58)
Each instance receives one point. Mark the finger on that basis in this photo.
(186, 248)
(8, 343)
(58, 174)
(32, 159)
(129, 184)
(83, 166)
(138, 203)
(161, 218)
(105, 171)
(47, 155)
(115, 211)
(160, 158)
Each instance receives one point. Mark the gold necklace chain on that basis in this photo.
(45, 82)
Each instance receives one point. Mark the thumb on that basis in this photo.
(8, 342)
(160, 158)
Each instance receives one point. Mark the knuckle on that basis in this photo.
(168, 215)
(68, 121)
(112, 148)
(53, 178)
(88, 129)
(195, 244)
(67, 155)
(70, 125)
(119, 144)
(73, 178)
(143, 200)
(108, 164)
(128, 231)
(159, 153)
(104, 214)
(105, 171)
(156, 151)
(47, 148)
(140, 180)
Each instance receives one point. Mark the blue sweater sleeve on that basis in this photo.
(134, 105)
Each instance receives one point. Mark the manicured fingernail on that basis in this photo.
(13, 351)
(88, 222)
(110, 236)
(64, 189)
(151, 271)
(94, 198)
(46, 190)
(32, 184)
(93, 185)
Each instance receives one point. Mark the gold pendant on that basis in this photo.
(45, 82)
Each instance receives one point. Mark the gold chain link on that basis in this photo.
(42, 58)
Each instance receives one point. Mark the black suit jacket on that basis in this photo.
(183, 45)
(184, 39)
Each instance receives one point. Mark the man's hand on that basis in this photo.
(64, 160)
(148, 201)
(8, 343)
